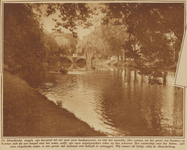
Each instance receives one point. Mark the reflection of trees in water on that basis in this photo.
(135, 107)
(154, 118)
(178, 109)
(121, 107)
(159, 109)
(125, 102)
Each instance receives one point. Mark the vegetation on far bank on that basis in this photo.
(121, 64)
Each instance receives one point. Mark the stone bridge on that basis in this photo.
(73, 58)
(74, 67)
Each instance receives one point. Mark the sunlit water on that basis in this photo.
(118, 102)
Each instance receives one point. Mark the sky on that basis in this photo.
(49, 24)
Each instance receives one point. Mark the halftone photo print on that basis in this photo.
(92, 69)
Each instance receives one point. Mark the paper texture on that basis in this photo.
(181, 72)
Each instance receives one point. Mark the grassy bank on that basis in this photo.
(28, 113)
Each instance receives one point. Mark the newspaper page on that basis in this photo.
(93, 75)
(181, 70)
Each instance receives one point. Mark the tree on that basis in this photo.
(23, 46)
(65, 41)
(105, 40)
(70, 15)
(114, 35)
(95, 46)
(51, 46)
(148, 27)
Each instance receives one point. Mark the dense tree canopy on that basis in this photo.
(155, 30)
(66, 42)
(106, 40)
(23, 44)
(150, 33)
(51, 46)
(70, 15)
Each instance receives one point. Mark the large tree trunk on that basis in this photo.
(88, 61)
(88, 57)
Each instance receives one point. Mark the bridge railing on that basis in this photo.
(74, 55)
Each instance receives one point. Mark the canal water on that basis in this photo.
(117, 102)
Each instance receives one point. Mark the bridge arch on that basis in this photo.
(74, 66)
(65, 59)
(80, 60)
(72, 59)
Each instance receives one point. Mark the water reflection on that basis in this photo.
(119, 102)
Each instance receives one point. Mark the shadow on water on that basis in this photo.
(118, 102)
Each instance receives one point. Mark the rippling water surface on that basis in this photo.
(118, 102)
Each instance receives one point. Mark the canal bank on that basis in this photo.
(28, 113)
(122, 64)
(115, 64)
